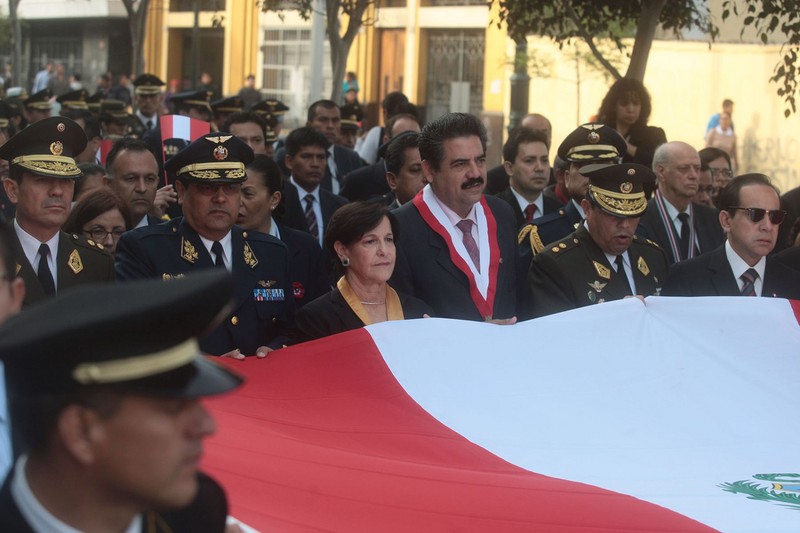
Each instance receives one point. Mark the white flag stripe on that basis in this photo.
(664, 400)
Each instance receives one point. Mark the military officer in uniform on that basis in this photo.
(603, 259)
(589, 144)
(37, 106)
(111, 433)
(147, 95)
(73, 100)
(41, 184)
(210, 173)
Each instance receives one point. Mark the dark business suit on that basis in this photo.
(550, 205)
(706, 224)
(78, 263)
(207, 512)
(424, 268)
(262, 313)
(346, 160)
(309, 266)
(293, 215)
(366, 182)
(574, 272)
(711, 275)
(790, 202)
(329, 314)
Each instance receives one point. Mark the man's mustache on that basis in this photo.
(472, 181)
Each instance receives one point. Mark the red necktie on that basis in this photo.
(469, 242)
(530, 212)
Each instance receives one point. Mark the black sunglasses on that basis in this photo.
(756, 214)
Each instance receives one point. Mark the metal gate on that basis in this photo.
(65, 50)
(455, 71)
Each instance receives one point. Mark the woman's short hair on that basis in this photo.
(93, 205)
(622, 91)
(351, 221)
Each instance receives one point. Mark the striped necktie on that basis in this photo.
(311, 217)
(749, 277)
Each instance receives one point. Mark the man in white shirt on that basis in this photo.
(112, 434)
(750, 215)
(457, 247)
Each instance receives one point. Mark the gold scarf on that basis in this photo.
(394, 311)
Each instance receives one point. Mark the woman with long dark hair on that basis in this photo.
(626, 108)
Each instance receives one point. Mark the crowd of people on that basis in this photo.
(320, 232)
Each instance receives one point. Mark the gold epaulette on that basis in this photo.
(531, 233)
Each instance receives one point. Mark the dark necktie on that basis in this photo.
(469, 242)
(749, 277)
(685, 233)
(530, 212)
(311, 217)
(621, 271)
(44, 274)
(216, 249)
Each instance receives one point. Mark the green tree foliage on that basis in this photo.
(768, 17)
(614, 20)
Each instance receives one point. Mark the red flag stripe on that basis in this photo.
(323, 436)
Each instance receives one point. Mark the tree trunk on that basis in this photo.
(16, 38)
(340, 45)
(645, 31)
(137, 21)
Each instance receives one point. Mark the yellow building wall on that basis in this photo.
(241, 44)
(687, 83)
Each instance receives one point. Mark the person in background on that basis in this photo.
(723, 137)
(705, 187)
(248, 93)
(719, 167)
(713, 121)
(261, 194)
(404, 168)
(100, 216)
(361, 239)
(626, 108)
(93, 178)
(12, 292)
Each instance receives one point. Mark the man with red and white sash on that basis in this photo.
(457, 247)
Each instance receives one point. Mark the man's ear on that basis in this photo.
(287, 160)
(79, 430)
(180, 188)
(391, 179)
(508, 166)
(12, 189)
(725, 220)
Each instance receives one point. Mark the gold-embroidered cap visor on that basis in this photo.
(619, 204)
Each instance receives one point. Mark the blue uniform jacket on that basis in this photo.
(262, 310)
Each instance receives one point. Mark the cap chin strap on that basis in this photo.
(140, 366)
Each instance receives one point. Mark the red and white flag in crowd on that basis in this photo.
(671, 414)
(102, 152)
(181, 127)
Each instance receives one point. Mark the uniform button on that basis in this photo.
(234, 320)
(274, 319)
(244, 234)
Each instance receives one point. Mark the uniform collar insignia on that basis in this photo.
(641, 264)
(249, 257)
(602, 271)
(188, 251)
(74, 262)
(19, 267)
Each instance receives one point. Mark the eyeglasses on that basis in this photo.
(756, 214)
(100, 234)
(724, 172)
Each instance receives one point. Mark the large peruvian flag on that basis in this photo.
(672, 414)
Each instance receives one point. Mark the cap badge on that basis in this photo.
(74, 262)
(188, 251)
(643, 268)
(593, 137)
(626, 186)
(220, 153)
(249, 257)
(56, 148)
(602, 271)
(61, 127)
(631, 171)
